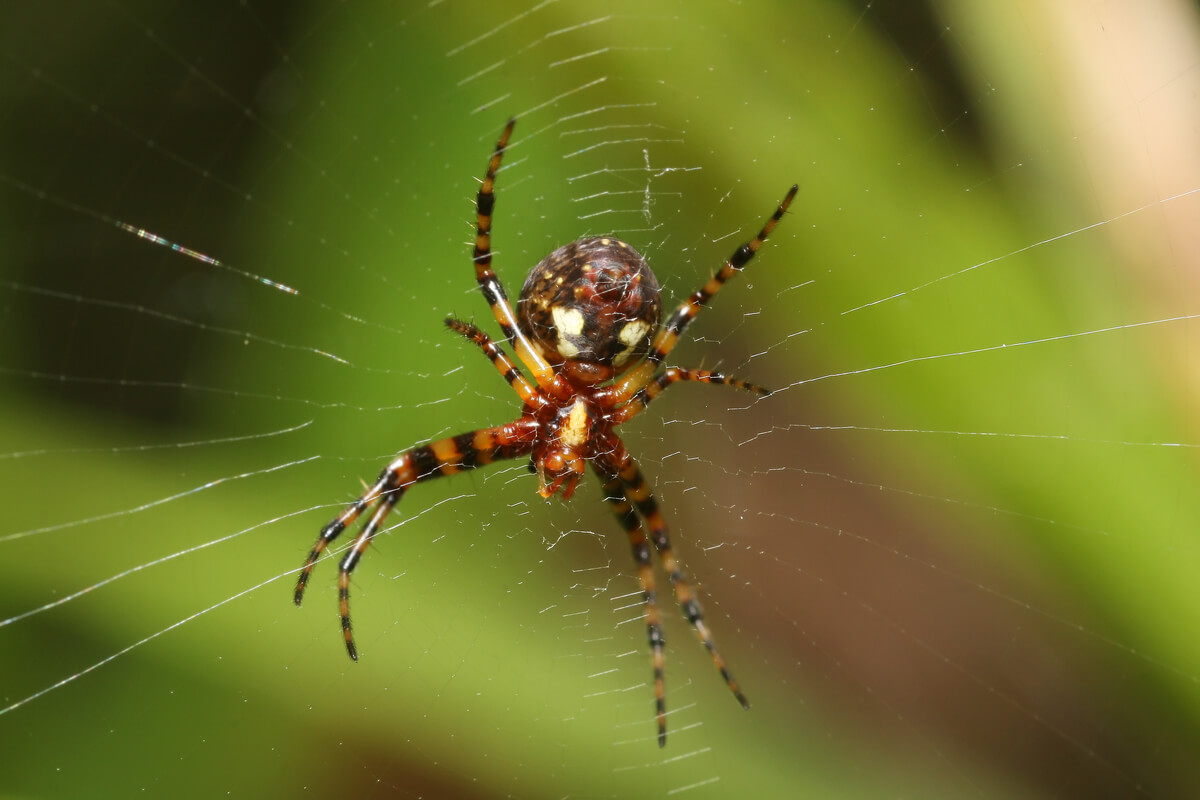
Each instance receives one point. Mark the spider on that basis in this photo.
(587, 328)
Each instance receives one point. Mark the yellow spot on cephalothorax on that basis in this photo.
(633, 332)
(569, 322)
(574, 431)
(566, 348)
(631, 336)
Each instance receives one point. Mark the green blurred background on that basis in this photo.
(954, 555)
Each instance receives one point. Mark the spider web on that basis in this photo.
(952, 555)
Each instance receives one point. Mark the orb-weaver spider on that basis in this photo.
(586, 327)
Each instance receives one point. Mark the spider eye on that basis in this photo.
(594, 301)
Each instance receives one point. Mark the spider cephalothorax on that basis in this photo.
(571, 435)
(587, 329)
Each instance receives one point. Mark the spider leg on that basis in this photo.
(668, 335)
(350, 561)
(614, 494)
(428, 461)
(489, 284)
(335, 526)
(499, 360)
(672, 375)
(637, 491)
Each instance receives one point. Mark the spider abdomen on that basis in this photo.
(593, 301)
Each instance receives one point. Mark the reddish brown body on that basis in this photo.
(587, 329)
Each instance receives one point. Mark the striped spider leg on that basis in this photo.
(446, 456)
(586, 327)
(626, 489)
(434, 460)
(639, 386)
